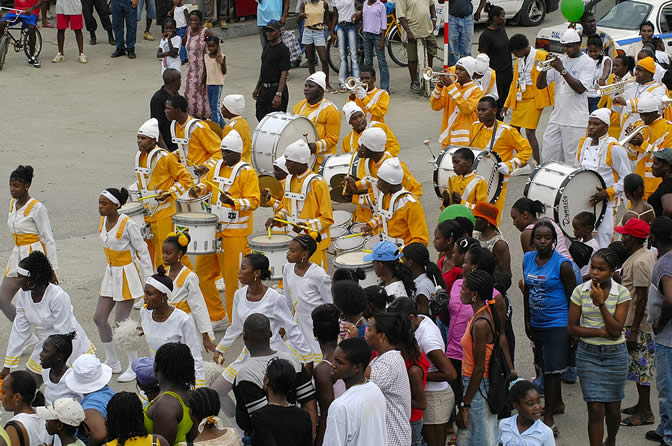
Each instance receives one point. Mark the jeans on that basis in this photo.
(481, 423)
(592, 104)
(183, 49)
(151, 9)
(663, 360)
(460, 35)
(214, 92)
(416, 433)
(350, 30)
(123, 11)
(371, 42)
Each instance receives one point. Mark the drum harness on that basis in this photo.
(144, 175)
(183, 143)
(297, 200)
(227, 216)
(388, 213)
(474, 181)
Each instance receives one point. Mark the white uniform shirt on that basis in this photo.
(179, 327)
(388, 372)
(595, 157)
(186, 289)
(629, 112)
(54, 391)
(357, 418)
(571, 108)
(484, 83)
(35, 221)
(429, 339)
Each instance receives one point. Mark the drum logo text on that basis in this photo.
(565, 210)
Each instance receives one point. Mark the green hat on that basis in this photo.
(664, 154)
(456, 210)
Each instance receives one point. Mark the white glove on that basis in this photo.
(360, 92)
(503, 168)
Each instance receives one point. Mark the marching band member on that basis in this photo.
(372, 155)
(202, 149)
(621, 70)
(159, 172)
(600, 152)
(233, 107)
(656, 135)
(398, 213)
(354, 115)
(572, 74)
(235, 195)
(306, 200)
(458, 101)
(30, 228)
(128, 266)
(485, 76)
(644, 83)
(468, 188)
(280, 172)
(490, 134)
(526, 101)
(323, 113)
(375, 101)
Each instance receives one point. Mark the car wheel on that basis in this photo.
(533, 12)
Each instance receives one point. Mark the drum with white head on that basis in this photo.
(136, 212)
(354, 243)
(274, 248)
(202, 228)
(353, 260)
(356, 228)
(372, 241)
(185, 203)
(565, 190)
(342, 219)
(335, 233)
(274, 133)
(485, 165)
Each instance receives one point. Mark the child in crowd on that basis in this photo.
(602, 70)
(315, 13)
(180, 14)
(213, 76)
(169, 47)
(584, 225)
(526, 426)
(633, 186)
(63, 417)
(467, 186)
(69, 13)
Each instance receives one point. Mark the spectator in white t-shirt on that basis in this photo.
(169, 46)
(426, 275)
(69, 14)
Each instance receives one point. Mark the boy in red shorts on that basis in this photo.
(26, 12)
(69, 13)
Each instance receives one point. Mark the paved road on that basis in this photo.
(76, 124)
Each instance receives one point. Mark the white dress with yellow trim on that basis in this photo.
(31, 231)
(179, 327)
(187, 296)
(304, 294)
(52, 315)
(128, 261)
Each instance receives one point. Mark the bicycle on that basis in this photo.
(22, 43)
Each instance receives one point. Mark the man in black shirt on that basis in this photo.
(172, 79)
(271, 93)
(661, 199)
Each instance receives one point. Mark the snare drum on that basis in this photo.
(485, 166)
(372, 241)
(357, 228)
(133, 193)
(275, 249)
(354, 260)
(274, 133)
(334, 165)
(342, 219)
(136, 211)
(335, 232)
(202, 229)
(186, 204)
(565, 190)
(348, 244)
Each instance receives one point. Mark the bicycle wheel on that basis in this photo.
(396, 47)
(333, 55)
(26, 46)
(4, 47)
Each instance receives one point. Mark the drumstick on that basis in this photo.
(427, 142)
(305, 136)
(148, 197)
(269, 232)
(356, 234)
(352, 160)
(280, 220)
(218, 188)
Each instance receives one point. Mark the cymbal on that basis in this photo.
(337, 180)
(273, 185)
(337, 195)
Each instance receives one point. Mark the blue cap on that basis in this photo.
(144, 372)
(384, 252)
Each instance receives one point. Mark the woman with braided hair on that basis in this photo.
(306, 286)
(426, 275)
(204, 404)
(125, 426)
(56, 350)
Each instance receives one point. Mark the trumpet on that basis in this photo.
(625, 142)
(352, 83)
(615, 88)
(545, 65)
(429, 74)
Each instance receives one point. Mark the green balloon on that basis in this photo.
(456, 210)
(572, 10)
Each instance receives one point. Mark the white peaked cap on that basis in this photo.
(603, 114)
(233, 142)
(349, 109)
(481, 64)
(235, 103)
(468, 63)
(150, 129)
(281, 162)
(391, 171)
(374, 139)
(647, 103)
(298, 151)
(570, 36)
(319, 78)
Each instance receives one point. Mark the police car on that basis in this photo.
(523, 12)
(620, 20)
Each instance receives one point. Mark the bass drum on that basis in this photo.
(565, 190)
(485, 165)
(274, 133)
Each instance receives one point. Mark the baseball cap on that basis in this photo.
(664, 154)
(273, 25)
(635, 228)
(384, 251)
(66, 410)
(144, 372)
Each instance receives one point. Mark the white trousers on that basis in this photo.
(605, 232)
(561, 143)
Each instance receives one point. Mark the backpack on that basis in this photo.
(580, 252)
(498, 371)
(292, 44)
(438, 302)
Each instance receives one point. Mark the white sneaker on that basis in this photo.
(127, 376)
(58, 58)
(83, 58)
(219, 283)
(221, 324)
(116, 367)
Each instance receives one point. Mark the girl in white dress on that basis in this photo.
(162, 323)
(42, 308)
(56, 350)
(306, 287)
(128, 266)
(19, 396)
(187, 295)
(30, 228)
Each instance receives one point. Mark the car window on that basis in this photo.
(625, 15)
(665, 19)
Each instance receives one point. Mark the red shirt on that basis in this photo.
(27, 4)
(423, 363)
(449, 277)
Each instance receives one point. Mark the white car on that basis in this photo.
(620, 20)
(524, 12)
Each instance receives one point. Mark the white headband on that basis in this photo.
(24, 272)
(110, 197)
(158, 285)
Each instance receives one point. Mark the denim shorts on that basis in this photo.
(313, 36)
(481, 423)
(551, 345)
(602, 371)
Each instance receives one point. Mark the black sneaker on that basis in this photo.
(653, 436)
(131, 54)
(110, 38)
(416, 88)
(34, 62)
(118, 52)
(93, 38)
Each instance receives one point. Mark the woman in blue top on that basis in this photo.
(549, 282)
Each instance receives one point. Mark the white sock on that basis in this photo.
(132, 356)
(110, 353)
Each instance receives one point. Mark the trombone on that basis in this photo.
(429, 74)
(615, 88)
(352, 83)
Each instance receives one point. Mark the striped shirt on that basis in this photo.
(590, 314)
